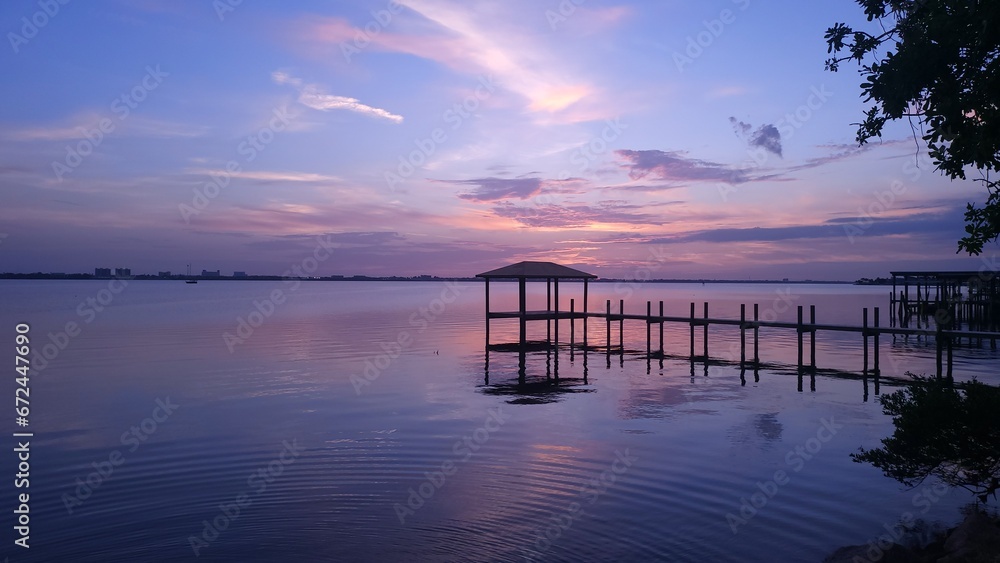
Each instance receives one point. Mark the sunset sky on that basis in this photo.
(696, 139)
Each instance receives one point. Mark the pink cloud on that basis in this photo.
(468, 42)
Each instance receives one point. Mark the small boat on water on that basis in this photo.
(191, 281)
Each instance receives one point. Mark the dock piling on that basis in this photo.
(743, 334)
(692, 331)
(812, 336)
(621, 327)
(756, 333)
(864, 333)
(704, 344)
(661, 331)
(572, 324)
(876, 346)
(608, 309)
(649, 327)
(799, 331)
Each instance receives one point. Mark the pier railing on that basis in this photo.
(943, 336)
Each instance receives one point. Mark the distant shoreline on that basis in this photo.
(59, 276)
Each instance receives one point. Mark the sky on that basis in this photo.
(671, 139)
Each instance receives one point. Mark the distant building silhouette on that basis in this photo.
(164, 274)
(210, 273)
(239, 274)
(123, 272)
(102, 272)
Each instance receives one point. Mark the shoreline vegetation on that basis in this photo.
(976, 539)
(423, 278)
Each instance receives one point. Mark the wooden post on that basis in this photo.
(621, 327)
(556, 321)
(812, 336)
(799, 330)
(649, 327)
(609, 327)
(572, 324)
(864, 333)
(585, 280)
(661, 330)
(522, 306)
(892, 303)
(548, 308)
(487, 315)
(876, 343)
(692, 331)
(756, 331)
(704, 343)
(743, 334)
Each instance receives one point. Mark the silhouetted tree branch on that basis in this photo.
(942, 66)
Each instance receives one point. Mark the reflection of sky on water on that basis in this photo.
(702, 441)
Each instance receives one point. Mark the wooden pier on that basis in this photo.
(950, 299)
(945, 333)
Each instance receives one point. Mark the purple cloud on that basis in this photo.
(495, 189)
(766, 136)
(576, 216)
(676, 166)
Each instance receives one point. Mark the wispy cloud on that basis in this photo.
(83, 124)
(939, 222)
(838, 152)
(481, 40)
(495, 189)
(677, 166)
(311, 95)
(267, 175)
(577, 215)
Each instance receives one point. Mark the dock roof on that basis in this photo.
(946, 275)
(536, 270)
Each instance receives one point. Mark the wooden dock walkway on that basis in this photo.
(749, 327)
(966, 305)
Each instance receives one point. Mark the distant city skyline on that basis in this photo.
(381, 138)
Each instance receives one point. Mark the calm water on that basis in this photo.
(289, 452)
